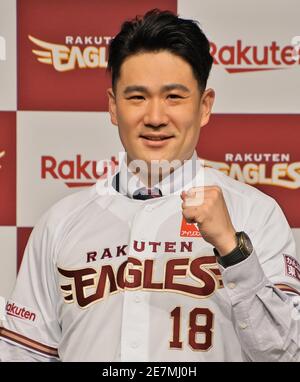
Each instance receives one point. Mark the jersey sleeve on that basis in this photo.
(262, 290)
(274, 245)
(31, 312)
(13, 353)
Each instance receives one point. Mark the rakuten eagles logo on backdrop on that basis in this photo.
(275, 169)
(241, 57)
(260, 150)
(78, 52)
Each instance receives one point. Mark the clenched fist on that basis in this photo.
(206, 207)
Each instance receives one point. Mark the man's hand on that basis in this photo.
(206, 207)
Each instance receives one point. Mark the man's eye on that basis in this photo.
(174, 96)
(136, 97)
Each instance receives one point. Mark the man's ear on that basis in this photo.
(112, 106)
(207, 101)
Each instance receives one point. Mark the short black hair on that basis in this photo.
(162, 30)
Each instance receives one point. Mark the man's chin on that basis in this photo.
(155, 160)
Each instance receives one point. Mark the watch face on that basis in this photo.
(246, 242)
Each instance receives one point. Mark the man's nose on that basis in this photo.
(155, 115)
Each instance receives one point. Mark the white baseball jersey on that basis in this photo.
(109, 278)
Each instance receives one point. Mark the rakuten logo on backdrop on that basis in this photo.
(241, 57)
(76, 172)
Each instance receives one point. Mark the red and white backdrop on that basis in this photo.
(54, 124)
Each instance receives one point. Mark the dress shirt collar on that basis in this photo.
(182, 178)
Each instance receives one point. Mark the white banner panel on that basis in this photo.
(8, 57)
(8, 260)
(255, 45)
(57, 155)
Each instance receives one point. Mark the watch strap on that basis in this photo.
(237, 255)
(234, 257)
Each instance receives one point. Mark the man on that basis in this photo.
(190, 267)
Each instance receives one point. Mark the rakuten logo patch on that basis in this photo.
(20, 312)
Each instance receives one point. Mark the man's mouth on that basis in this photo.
(156, 137)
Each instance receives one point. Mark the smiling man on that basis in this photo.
(159, 112)
(169, 263)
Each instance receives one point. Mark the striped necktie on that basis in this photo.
(147, 193)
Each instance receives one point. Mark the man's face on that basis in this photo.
(158, 107)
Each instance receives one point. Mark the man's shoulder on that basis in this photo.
(75, 200)
(67, 207)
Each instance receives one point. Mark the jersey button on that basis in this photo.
(134, 345)
(231, 285)
(137, 299)
(243, 325)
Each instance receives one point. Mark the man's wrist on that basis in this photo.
(242, 250)
(227, 245)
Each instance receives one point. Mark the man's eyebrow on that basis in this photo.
(165, 88)
(135, 88)
(175, 87)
